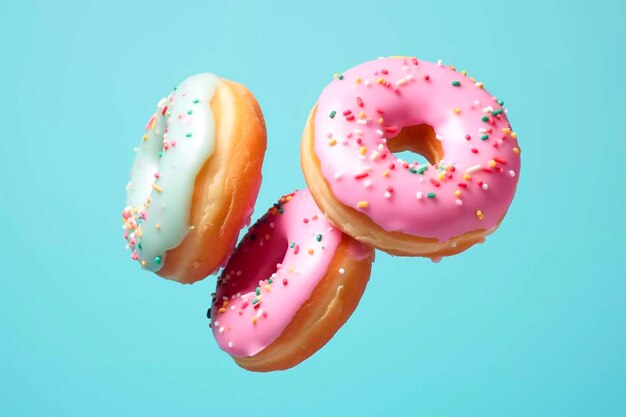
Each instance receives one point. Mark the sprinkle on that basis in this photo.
(422, 170)
(361, 175)
(157, 188)
(359, 102)
(310, 251)
(492, 163)
(516, 151)
(434, 182)
(485, 118)
(479, 214)
(332, 114)
(419, 195)
(157, 259)
(485, 186)
(196, 101)
(362, 150)
(456, 83)
(512, 173)
(188, 134)
(484, 137)
(362, 204)
(253, 320)
(318, 237)
(285, 281)
(456, 110)
(458, 202)
(145, 137)
(342, 271)
(473, 169)
(402, 81)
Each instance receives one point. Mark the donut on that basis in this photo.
(292, 282)
(437, 208)
(195, 178)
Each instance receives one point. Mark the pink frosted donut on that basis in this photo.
(396, 104)
(291, 284)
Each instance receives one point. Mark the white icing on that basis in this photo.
(185, 134)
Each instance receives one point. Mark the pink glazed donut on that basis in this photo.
(395, 104)
(292, 282)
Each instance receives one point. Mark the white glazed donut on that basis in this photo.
(195, 178)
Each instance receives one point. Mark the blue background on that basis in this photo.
(532, 323)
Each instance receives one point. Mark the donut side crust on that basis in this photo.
(226, 186)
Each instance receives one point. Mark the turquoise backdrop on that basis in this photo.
(532, 323)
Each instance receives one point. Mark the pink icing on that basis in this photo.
(282, 258)
(442, 201)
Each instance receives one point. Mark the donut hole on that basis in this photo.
(416, 143)
(271, 253)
